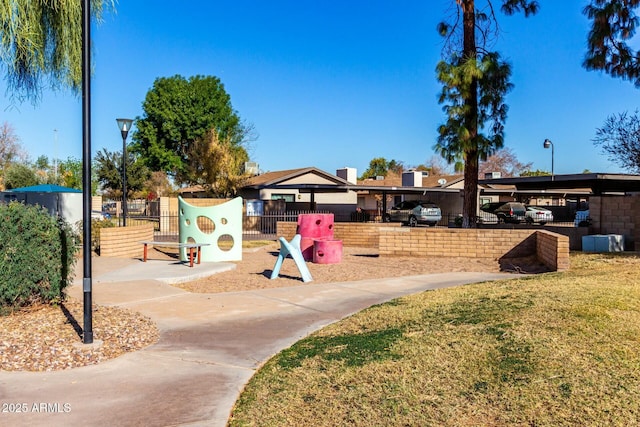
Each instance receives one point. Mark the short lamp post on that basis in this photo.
(548, 144)
(125, 126)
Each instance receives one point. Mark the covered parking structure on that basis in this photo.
(565, 193)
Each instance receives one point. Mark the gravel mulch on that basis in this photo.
(48, 338)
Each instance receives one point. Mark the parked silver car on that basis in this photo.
(536, 215)
(414, 212)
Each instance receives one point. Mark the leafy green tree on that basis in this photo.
(474, 83)
(379, 166)
(536, 172)
(108, 166)
(619, 139)
(45, 171)
(177, 113)
(70, 174)
(19, 175)
(40, 39)
(613, 27)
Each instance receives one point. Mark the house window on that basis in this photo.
(484, 200)
(290, 198)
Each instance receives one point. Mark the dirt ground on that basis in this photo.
(254, 271)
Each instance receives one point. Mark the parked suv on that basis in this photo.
(414, 212)
(513, 212)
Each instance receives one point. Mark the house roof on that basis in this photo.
(45, 188)
(280, 178)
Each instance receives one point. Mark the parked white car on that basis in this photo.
(487, 218)
(536, 215)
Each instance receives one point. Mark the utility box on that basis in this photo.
(603, 243)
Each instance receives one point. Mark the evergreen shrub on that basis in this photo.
(37, 255)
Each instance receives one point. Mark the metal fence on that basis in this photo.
(264, 226)
(254, 227)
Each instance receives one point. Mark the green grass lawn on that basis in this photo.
(548, 350)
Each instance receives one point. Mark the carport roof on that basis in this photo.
(592, 183)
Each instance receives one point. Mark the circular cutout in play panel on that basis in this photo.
(205, 224)
(225, 242)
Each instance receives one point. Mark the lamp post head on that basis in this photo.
(124, 125)
(547, 143)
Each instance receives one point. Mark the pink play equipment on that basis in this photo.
(315, 228)
(327, 251)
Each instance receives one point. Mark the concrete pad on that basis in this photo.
(164, 271)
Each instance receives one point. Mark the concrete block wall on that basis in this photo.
(574, 234)
(456, 242)
(617, 215)
(354, 234)
(552, 249)
(124, 241)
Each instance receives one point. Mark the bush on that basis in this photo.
(37, 255)
(96, 226)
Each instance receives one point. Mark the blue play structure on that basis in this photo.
(293, 249)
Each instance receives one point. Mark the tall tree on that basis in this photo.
(379, 166)
(613, 26)
(158, 185)
(218, 165)
(178, 112)
(619, 139)
(70, 174)
(40, 39)
(10, 150)
(19, 175)
(108, 166)
(475, 81)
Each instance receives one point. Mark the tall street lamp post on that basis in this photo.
(124, 125)
(87, 330)
(548, 144)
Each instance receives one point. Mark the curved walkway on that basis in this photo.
(210, 346)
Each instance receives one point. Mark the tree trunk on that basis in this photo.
(471, 120)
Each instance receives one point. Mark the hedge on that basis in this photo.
(37, 255)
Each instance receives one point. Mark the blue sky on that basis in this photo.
(333, 83)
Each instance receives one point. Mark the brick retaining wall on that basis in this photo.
(354, 234)
(124, 241)
(550, 248)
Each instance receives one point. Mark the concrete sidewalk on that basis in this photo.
(210, 346)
